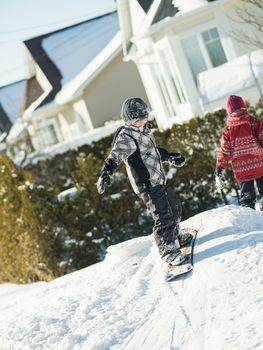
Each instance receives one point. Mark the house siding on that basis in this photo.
(105, 95)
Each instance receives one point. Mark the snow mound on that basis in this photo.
(125, 250)
(123, 303)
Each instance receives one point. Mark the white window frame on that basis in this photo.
(162, 47)
(197, 32)
(41, 127)
(167, 102)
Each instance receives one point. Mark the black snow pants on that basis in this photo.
(248, 194)
(166, 211)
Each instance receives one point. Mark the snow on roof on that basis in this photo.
(235, 75)
(124, 302)
(73, 48)
(11, 99)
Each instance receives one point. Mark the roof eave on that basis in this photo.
(176, 19)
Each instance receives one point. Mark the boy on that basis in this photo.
(241, 143)
(135, 145)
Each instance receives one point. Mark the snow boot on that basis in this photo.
(260, 204)
(248, 199)
(184, 239)
(175, 258)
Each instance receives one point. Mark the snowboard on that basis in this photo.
(187, 266)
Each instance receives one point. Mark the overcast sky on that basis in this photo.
(24, 19)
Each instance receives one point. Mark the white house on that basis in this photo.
(188, 55)
(77, 81)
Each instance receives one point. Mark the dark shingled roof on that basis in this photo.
(48, 67)
(166, 9)
(145, 4)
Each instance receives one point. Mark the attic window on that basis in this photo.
(145, 4)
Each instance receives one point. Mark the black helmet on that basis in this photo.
(134, 109)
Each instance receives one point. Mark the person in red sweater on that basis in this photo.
(242, 145)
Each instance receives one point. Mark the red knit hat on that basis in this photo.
(234, 103)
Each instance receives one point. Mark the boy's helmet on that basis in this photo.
(134, 109)
(234, 103)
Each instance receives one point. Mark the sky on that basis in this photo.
(21, 20)
(124, 303)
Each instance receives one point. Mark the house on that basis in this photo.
(11, 106)
(5, 123)
(188, 55)
(77, 82)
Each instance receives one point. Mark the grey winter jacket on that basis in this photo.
(136, 147)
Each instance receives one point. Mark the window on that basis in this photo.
(194, 55)
(46, 133)
(214, 47)
(52, 135)
(171, 76)
(204, 51)
(164, 91)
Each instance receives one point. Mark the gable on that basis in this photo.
(145, 4)
(63, 54)
(73, 48)
(33, 92)
(165, 9)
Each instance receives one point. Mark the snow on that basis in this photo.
(11, 98)
(123, 303)
(83, 41)
(70, 193)
(236, 75)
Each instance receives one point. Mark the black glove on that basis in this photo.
(220, 178)
(103, 180)
(176, 159)
(105, 177)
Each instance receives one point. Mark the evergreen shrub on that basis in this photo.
(29, 228)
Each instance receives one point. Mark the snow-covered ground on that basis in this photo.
(124, 303)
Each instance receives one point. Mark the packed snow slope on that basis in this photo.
(124, 302)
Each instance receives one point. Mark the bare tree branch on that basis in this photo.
(250, 12)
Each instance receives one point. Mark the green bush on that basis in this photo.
(29, 228)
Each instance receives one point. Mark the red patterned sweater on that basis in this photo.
(241, 142)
